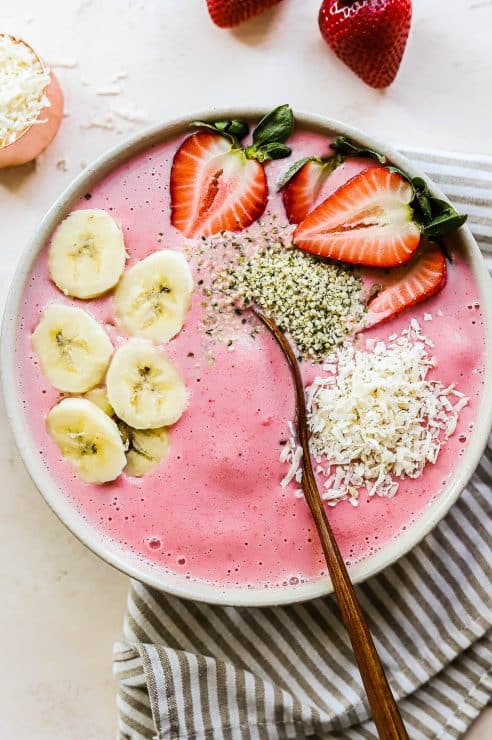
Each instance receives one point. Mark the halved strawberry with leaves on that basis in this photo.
(217, 184)
(422, 277)
(376, 219)
(304, 180)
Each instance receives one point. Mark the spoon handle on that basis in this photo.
(385, 712)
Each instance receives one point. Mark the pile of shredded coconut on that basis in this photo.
(375, 417)
(22, 89)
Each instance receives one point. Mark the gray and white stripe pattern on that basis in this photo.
(189, 670)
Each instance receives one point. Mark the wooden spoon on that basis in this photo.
(384, 709)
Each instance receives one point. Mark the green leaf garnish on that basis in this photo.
(422, 196)
(343, 149)
(271, 150)
(398, 171)
(234, 130)
(435, 216)
(268, 137)
(238, 129)
(348, 148)
(444, 224)
(294, 169)
(329, 164)
(275, 126)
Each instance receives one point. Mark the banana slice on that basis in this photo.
(88, 439)
(144, 448)
(73, 349)
(154, 296)
(100, 398)
(144, 387)
(87, 254)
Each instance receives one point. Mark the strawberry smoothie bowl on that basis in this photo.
(157, 416)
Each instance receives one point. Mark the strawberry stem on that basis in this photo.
(234, 130)
(435, 217)
(347, 148)
(268, 137)
(343, 148)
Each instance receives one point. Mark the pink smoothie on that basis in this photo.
(214, 510)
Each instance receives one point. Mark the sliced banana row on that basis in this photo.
(87, 258)
(122, 427)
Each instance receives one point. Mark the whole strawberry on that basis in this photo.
(369, 36)
(229, 13)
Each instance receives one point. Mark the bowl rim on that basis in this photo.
(44, 68)
(114, 554)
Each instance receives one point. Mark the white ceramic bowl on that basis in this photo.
(115, 554)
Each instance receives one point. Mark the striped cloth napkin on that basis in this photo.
(189, 670)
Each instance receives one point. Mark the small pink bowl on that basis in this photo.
(37, 136)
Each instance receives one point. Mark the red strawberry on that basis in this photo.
(368, 221)
(304, 181)
(228, 13)
(303, 189)
(214, 189)
(216, 184)
(369, 36)
(406, 286)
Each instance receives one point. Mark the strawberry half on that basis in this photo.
(229, 13)
(368, 36)
(304, 188)
(368, 221)
(304, 180)
(406, 286)
(216, 184)
(214, 188)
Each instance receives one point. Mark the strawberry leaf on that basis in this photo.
(234, 130)
(422, 196)
(272, 150)
(343, 147)
(347, 148)
(276, 126)
(328, 163)
(436, 217)
(398, 171)
(444, 224)
(294, 169)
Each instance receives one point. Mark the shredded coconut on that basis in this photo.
(104, 123)
(109, 90)
(376, 418)
(22, 89)
(129, 112)
(63, 63)
(294, 468)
